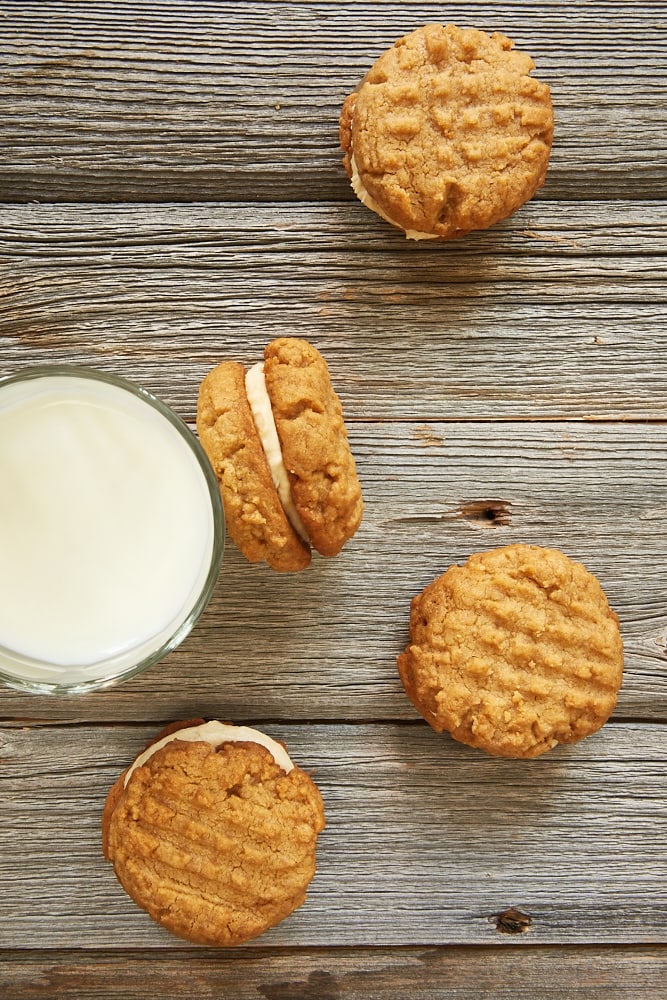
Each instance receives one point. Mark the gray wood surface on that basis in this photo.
(171, 194)
(554, 313)
(426, 841)
(323, 644)
(145, 101)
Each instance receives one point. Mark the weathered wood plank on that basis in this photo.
(445, 357)
(482, 973)
(559, 313)
(323, 643)
(146, 102)
(427, 841)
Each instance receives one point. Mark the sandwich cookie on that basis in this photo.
(448, 132)
(276, 438)
(213, 831)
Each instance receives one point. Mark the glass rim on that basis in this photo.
(177, 636)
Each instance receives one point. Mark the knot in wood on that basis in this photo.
(512, 921)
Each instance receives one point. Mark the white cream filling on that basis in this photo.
(262, 414)
(370, 202)
(217, 733)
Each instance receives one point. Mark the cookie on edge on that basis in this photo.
(514, 652)
(276, 438)
(254, 516)
(448, 132)
(213, 832)
(309, 420)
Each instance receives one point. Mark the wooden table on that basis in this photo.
(172, 195)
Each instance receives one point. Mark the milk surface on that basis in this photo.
(106, 529)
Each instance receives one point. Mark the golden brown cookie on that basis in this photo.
(311, 429)
(276, 438)
(254, 516)
(447, 132)
(213, 832)
(513, 652)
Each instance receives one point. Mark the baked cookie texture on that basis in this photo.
(217, 844)
(254, 516)
(514, 652)
(313, 439)
(448, 132)
(319, 465)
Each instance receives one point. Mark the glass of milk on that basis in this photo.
(111, 529)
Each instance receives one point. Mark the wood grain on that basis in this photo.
(323, 643)
(171, 194)
(427, 841)
(558, 313)
(146, 102)
(482, 973)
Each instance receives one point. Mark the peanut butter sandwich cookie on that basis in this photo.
(447, 132)
(276, 438)
(513, 652)
(212, 831)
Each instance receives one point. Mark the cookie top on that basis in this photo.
(216, 842)
(447, 132)
(254, 516)
(513, 652)
(314, 443)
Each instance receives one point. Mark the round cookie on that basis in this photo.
(213, 832)
(514, 652)
(277, 442)
(447, 133)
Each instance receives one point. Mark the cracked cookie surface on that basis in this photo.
(513, 652)
(448, 132)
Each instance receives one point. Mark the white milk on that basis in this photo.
(106, 530)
